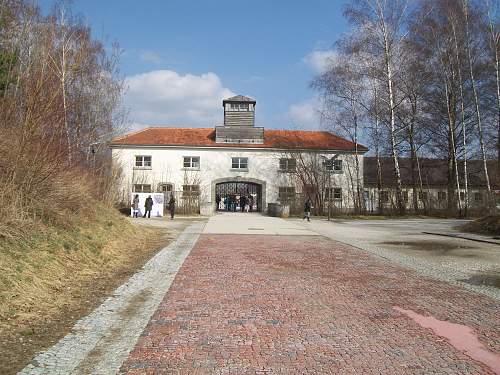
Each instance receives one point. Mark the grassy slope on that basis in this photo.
(55, 275)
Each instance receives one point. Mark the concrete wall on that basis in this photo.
(215, 165)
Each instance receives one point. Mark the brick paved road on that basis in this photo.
(305, 305)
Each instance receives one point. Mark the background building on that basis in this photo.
(238, 158)
(426, 186)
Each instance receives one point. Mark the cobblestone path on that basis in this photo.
(305, 305)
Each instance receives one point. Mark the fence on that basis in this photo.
(186, 203)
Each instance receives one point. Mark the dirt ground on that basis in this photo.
(20, 342)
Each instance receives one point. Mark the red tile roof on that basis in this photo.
(205, 137)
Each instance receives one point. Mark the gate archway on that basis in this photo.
(235, 187)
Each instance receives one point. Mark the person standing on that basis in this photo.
(250, 203)
(217, 202)
(307, 210)
(243, 201)
(148, 206)
(171, 206)
(135, 206)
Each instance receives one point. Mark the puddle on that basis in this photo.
(488, 279)
(459, 336)
(433, 246)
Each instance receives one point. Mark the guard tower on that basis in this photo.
(239, 122)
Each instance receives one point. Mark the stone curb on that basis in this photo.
(101, 341)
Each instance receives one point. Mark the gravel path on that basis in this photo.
(368, 237)
(101, 341)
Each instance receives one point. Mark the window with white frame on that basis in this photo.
(405, 196)
(334, 165)
(334, 192)
(165, 188)
(142, 188)
(239, 163)
(191, 162)
(242, 107)
(143, 161)
(286, 193)
(422, 195)
(288, 165)
(190, 190)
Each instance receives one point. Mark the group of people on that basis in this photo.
(148, 206)
(231, 203)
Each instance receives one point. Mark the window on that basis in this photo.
(288, 165)
(286, 193)
(143, 161)
(422, 195)
(384, 196)
(478, 197)
(441, 196)
(192, 162)
(239, 107)
(333, 165)
(165, 188)
(142, 188)
(190, 190)
(336, 194)
(405, 196)
(239, 163)
(462, 195)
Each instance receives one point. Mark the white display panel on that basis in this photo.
(156, 211)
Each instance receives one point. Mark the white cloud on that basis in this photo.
(164, 97)
(305, 114)
(319, 61)
(150, 57)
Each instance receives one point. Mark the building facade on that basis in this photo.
(198, 165)
(426, 187)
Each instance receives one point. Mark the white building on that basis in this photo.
(198, 164)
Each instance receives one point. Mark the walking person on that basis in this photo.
(307, 210)
(135, 206)
(148, 206)
(171, 206)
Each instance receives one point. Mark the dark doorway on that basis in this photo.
(231, 192)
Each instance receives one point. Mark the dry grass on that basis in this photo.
(59, 274)
(485, 225)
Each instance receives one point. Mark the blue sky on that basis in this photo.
(181, 57)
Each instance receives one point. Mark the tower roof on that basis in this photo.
(239, 99)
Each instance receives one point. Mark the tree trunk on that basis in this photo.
(394, 153)
(476, 103)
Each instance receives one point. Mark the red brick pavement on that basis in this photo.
(305, 305)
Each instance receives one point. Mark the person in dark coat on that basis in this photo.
(217, 202)
(171, 206)
(243, 202)
(148, 206)
(307, 210)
